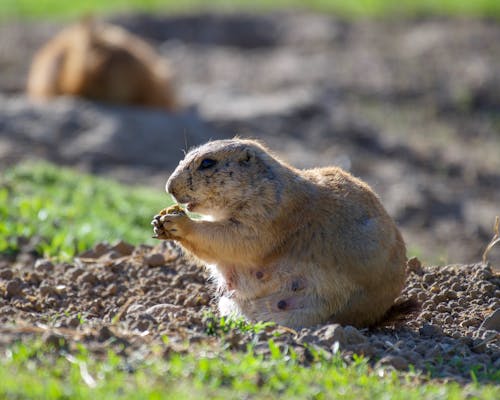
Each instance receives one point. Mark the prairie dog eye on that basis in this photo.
(207, 163)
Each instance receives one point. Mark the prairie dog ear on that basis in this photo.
(246, 157)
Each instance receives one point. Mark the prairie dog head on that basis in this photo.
(227, 179)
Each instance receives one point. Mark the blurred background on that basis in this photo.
(404, 94)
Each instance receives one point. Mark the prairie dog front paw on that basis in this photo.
(170, 223)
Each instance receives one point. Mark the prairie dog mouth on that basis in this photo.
(190, 206)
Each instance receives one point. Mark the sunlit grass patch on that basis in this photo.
(33, 370)
(68, 212)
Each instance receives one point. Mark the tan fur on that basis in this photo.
(298, 247)
(101, 62)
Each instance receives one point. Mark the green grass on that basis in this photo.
(70, 212)
(352, 9)
(31, 370)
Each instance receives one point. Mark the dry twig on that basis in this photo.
(494, 240)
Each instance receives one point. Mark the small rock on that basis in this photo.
(75, 273)
(429, 278)
(43, 266)
(100, 249)
(450, 295)
(112, 255)
(155, 260)
(73, 322)
(111, 290)
(96, 252)
(433, 352)
(6, 274)
(135, 308)
(430, 330)
(435, 289)
(411, 356)
(490, 335)
(488, 288)
(104, 334)
(396, 362)
(442, 308)
(124, 248)
(13, 288)
(425, 315)
(141, 324)
(363, 349)
(46, 289)
(87, 277)
(492, 321)
(332, 333)
(34, 277)
(308, 338)
(60, 289)
(160, 310)
(483, 274)
(471, 322)
(353, 336)
(422, 297)
(180, 299)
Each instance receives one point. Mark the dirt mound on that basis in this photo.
(125, 297)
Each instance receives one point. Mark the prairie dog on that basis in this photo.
(297, 247)
(101, 62)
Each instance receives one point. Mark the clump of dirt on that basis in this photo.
(126, 298)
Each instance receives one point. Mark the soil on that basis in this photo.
(409, 106)
(127, 298)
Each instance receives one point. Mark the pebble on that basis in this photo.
(492, 321)
(161, 310)
(123, 248)
(429, 278)
(73, 322)
(44, 266)
(430, 330)
(471, 322)
(396, 362)
(353, 335)
(111, 290)
(308, 338)
(46, 289)
(332, 333)
(75, 273)
(13, 288)
(6, 274)
(104, 334)
(134, 308)
(155, 260)
(87, 277)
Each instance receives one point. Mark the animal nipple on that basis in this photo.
(259, 274)
(282, 304)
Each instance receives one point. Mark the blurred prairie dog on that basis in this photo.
(101, 62)
(297, 247)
